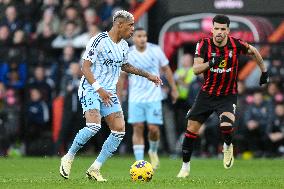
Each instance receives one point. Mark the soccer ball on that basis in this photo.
(141, 171)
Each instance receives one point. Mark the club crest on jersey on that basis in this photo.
(223, 64)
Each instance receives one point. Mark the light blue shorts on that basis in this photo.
(92, 101)
(151, 112)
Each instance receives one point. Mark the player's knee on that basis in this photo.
(138, 129)
(154, 130)
(193, 126)
(225, 121)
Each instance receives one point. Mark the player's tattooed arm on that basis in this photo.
(254, 53)
(133, 70)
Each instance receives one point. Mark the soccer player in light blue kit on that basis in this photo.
(144, 97)
(104, 58)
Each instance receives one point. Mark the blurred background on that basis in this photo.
(41, 42)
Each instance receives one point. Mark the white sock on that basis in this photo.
(96, 165)
(69, 156)
(138, 151)
(225, 146)
(186, 166)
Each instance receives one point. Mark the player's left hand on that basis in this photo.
(174, 95)
(155, 79)
(264, 78)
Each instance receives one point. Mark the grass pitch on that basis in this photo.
(205, 173)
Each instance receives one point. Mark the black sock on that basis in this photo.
(227, 134)
(187, 146)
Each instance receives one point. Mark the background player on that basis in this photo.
(144, 97)
(217, 59)
(104, 58)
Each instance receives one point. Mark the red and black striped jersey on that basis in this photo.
(222, 78)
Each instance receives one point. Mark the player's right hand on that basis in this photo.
(155, 79)
(105, 96)
(215, 60)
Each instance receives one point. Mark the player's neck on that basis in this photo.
(140, 49)
(114, 36)
(222, 44)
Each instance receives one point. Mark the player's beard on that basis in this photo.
(219, 38)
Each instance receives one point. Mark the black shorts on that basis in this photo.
(206, 104)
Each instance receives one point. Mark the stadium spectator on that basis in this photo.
(81, 40)
(274, 94)
(37, 129)
(85, 4)
(183, 76)
(10, 115)
(275, 132)
(170, 130)
(91, 17)
(66, 58)
(71, 15)
(50, 19)
(70, 32)
(44, 84)
(53, 4)
(4, 140)
(44, 40)
(28, 10)
(14, 74)
(5, 42)
(72, 119)
(106, 10)
(257, 118)
(11, 19)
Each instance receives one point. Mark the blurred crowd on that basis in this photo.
(41, 42)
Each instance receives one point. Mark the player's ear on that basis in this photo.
(228, 30)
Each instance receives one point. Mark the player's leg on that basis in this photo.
(138, 141)
(191, 134)
(227, 120)
(91, 108)
(226, 111)
(115, 120)
(154, 138)
(196, 116)
(136, 117)
(154, 119)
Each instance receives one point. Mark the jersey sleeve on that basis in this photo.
(243, 47)
(200, 49)
(91, 52)
(163, 60)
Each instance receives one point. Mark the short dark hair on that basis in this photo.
(221, 19)
(139, 29)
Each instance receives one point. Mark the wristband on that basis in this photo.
(96, 85)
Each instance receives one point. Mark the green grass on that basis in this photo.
(205, 173)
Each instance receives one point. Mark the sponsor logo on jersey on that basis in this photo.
(220, 70)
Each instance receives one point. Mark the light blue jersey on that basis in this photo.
(107, 58)
(144, 96)
(151, 60)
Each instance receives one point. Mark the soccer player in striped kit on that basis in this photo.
(144, 101)
(217, 59)
(104, 58)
